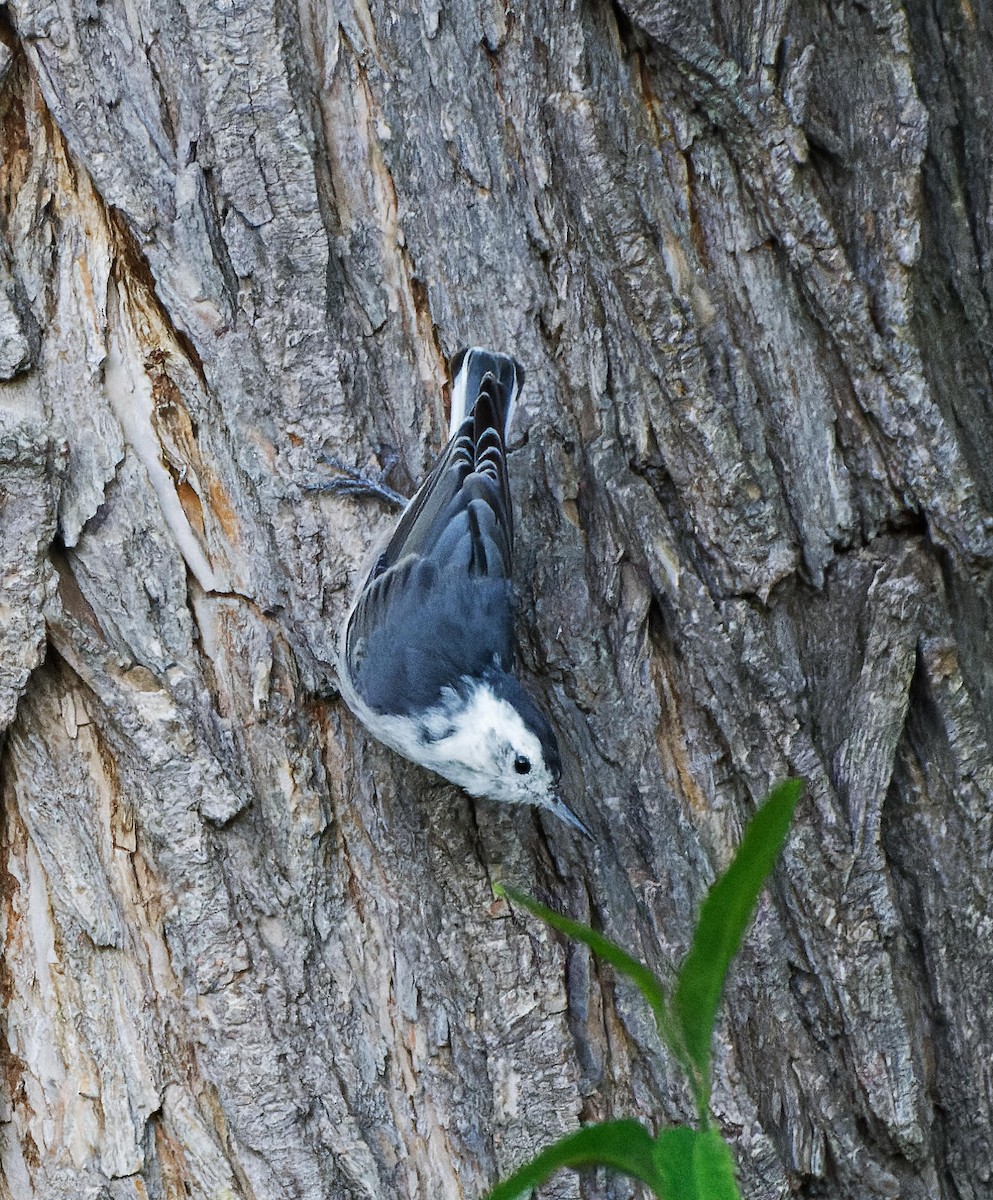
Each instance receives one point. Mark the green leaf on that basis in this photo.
(637, 972)
(695, 1165)
(713, 1167)
(674, 1159)
(625, 1145)
(723, 920)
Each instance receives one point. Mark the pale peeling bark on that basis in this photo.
(745, 252)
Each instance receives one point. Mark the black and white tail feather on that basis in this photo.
(428, 656)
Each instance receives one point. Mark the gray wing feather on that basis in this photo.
(425, 634)
(435, 495)
(438, 604)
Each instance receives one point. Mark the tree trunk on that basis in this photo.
(745, 253)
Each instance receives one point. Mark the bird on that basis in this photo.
(428, 656)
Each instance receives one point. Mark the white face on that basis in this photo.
(491, 752)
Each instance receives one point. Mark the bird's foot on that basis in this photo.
(349, 481)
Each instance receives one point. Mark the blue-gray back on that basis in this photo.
(438, 604)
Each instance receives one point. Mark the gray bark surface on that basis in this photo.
(745, 252)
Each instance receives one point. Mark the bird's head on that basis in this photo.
(494, 741)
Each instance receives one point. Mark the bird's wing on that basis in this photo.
(473, 466)
(438, 604)
(415, 633)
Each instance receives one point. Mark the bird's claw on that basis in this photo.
(351, 482)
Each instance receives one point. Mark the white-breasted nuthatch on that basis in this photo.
(428, 654)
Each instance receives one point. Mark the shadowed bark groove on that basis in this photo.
(744, 252)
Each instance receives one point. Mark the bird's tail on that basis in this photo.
(469, 367)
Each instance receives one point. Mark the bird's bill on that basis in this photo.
(562, 810)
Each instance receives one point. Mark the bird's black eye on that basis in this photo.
(522, 765)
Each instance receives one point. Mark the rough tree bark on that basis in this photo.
(745, 251)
